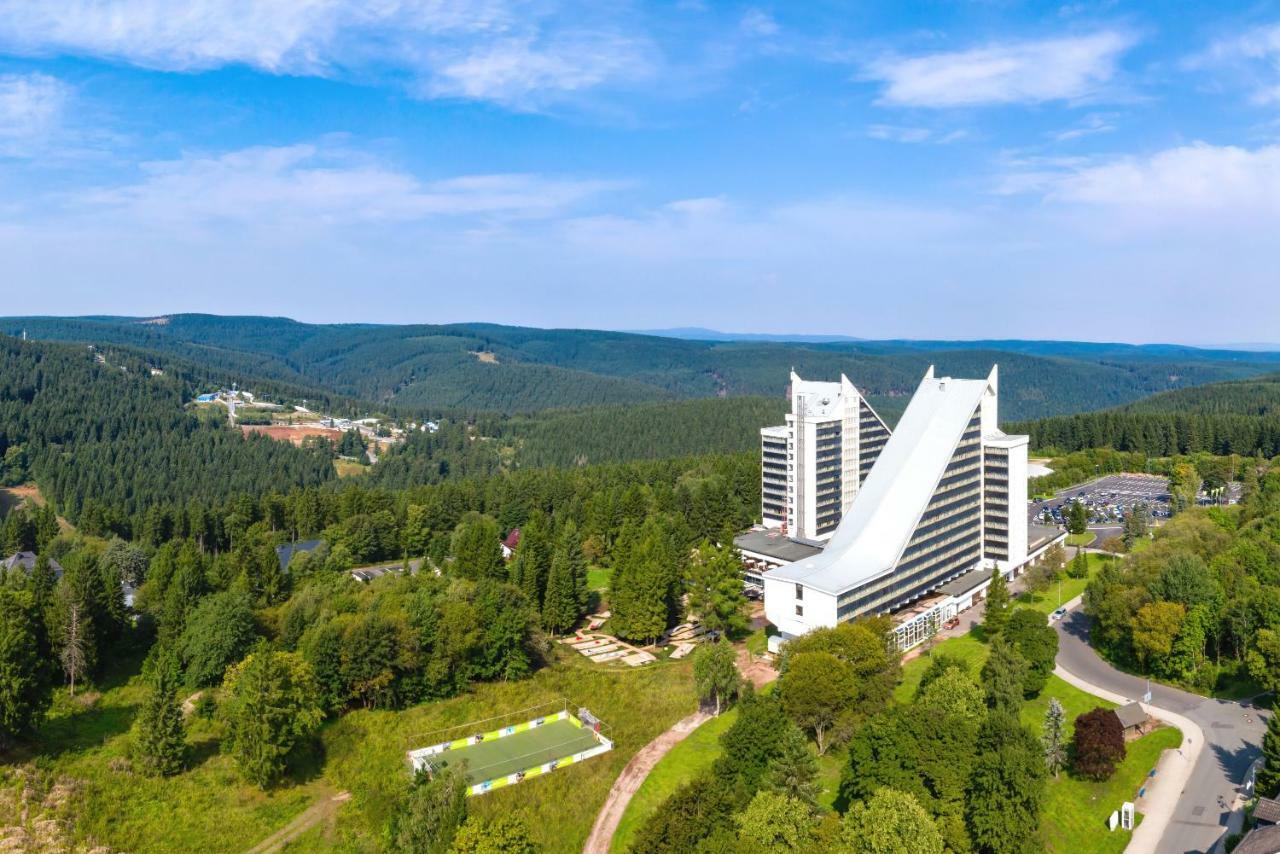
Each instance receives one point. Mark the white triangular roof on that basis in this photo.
(886, 510)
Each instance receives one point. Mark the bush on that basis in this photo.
(1098, 744)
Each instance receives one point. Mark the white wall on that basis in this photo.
(780, 607)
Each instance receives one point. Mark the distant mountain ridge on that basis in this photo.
(480, 367)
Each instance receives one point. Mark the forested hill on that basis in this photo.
(484, 367)
(1238, 417)
(1259, 396)
(106, 438)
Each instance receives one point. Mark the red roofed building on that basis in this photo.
(510, 543)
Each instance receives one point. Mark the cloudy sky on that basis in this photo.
(955, 170)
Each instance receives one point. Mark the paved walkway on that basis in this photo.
(1231, 732)
(628, 782)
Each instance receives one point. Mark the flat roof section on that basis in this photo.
(774, 545)
(971, 580)
(1038, 535)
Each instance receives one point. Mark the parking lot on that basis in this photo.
(1108, 499)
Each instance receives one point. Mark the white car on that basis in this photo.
(1057, 615)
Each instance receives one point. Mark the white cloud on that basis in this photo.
(1253, 55)
(1026, 72)
(514, 52)
(900, 133)
(758, 23)
(31, 110)
(1093, 123)
(315, 185)
(896, 133)
(1199, 178)
(1201, 187)
(513, 71)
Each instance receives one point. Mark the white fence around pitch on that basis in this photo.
(420, 759)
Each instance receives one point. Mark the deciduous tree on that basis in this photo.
(715, 672)
(1098, 744)
(270, 706)
(430, 813)
(219, 631)
(890, 822)
(774, 823)
(816, 692)
(506, 834)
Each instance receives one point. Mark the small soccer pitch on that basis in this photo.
(512, 754)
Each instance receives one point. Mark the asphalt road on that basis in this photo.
(1233, 730)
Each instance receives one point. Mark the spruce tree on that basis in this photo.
(794, 771)
(1004, 676)
(560, 604)
(997, 613)
(1267, 784)
(1055, 751)
(159, 740)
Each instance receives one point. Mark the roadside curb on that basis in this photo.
(1162, 797)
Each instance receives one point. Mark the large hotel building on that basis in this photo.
(813, 465)
(919, 530)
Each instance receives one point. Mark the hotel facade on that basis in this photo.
(941, 509)
(813, 465)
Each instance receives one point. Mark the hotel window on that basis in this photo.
(799, 591)
(799, 610)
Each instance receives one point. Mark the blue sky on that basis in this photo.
(941, 169)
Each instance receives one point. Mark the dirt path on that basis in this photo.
(322, 810)
(632, 776)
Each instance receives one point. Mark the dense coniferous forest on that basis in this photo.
(108, 439)
(647, 431)
(483, 367)
(1241, 417)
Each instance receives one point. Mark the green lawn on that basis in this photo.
(520, 751)
(85, 746)
(684, 762)
(1062, 593)
(1074, 816)
(1081, 539)
(365, 749)
(1076, 811)
(207, 808)
(598, 577)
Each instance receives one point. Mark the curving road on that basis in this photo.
(1233, 732)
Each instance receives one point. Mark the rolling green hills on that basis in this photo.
(484, 367)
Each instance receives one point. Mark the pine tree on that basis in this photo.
(159, 740)
(1003, 677)
(560, 605)
(794, 771)
(1055, 751)
(1268, 780)
(72, 655)
(997, 613)
(571, 546)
